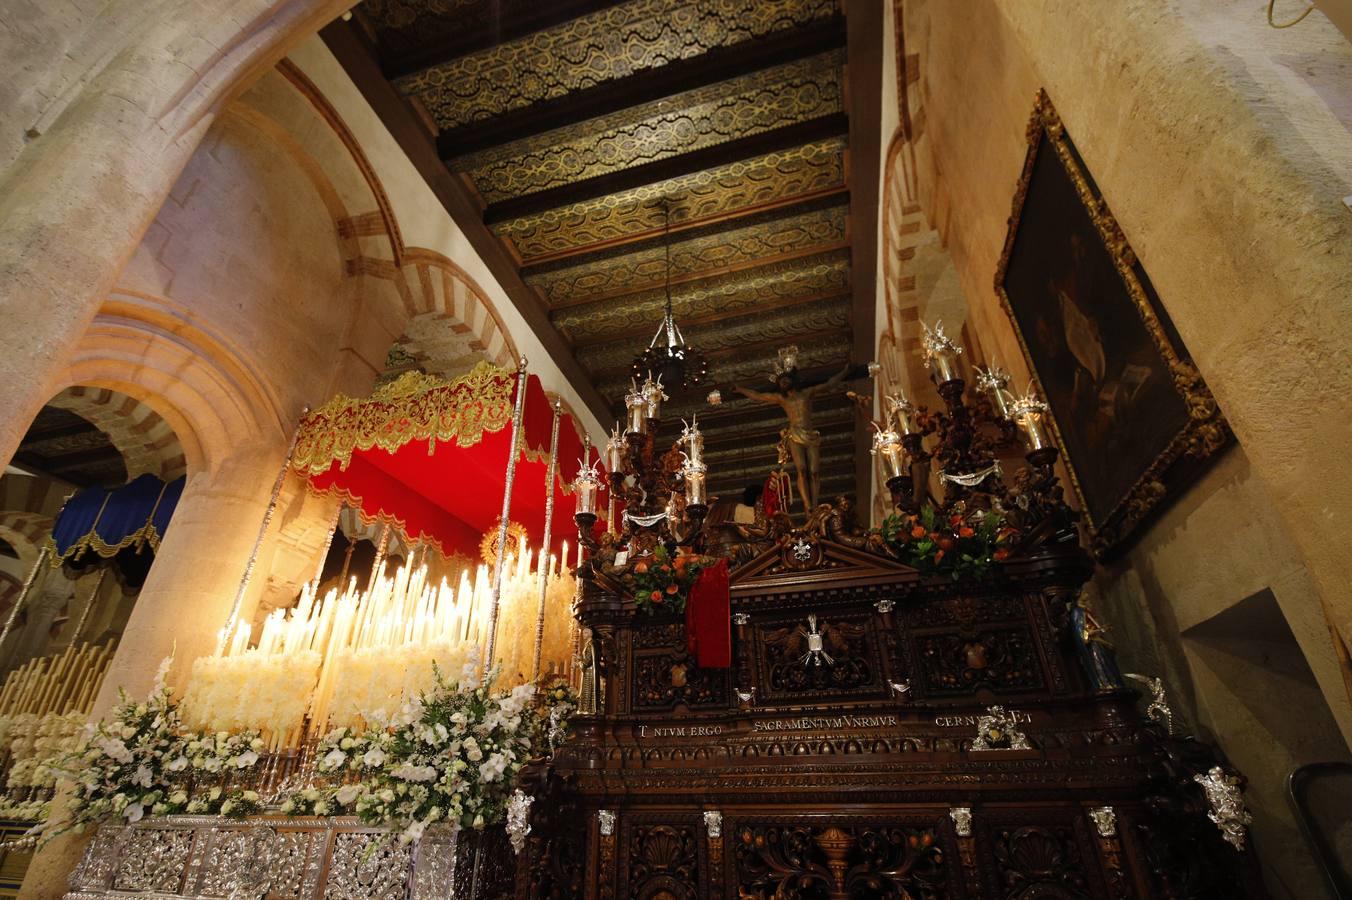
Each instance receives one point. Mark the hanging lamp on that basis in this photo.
(668, 355)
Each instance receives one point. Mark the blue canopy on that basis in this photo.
(107, 522)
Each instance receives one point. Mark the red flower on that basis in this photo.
(656, 597)
(945, 544)
(966, 532)
(1002, 553)
(673, 588)
(938, 556)
(918, 531)
(666, 568)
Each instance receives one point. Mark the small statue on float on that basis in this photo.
(1094, 648)
(804, 442)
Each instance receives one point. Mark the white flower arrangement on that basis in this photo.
(139, 763)
(450, 757)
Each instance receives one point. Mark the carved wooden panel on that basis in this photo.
(848, 665)
(662, 857)
(1046, 854)
(831, 856)
(664, 675)
(958, 662)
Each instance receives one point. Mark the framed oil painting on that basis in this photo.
(1130, 412)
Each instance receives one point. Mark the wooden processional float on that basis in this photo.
(927, 710)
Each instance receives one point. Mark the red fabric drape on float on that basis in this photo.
(708, 618)
(430, 457)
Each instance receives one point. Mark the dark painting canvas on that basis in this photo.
(1105, 356)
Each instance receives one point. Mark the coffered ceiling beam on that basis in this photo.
(520, 19)
(645, 86)
(673, 167)
(353, 52)
(690, 325)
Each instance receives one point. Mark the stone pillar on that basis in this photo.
(75, 203)
(180, 610)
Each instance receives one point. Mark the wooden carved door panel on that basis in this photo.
(812, 857)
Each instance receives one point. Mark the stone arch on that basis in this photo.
(432, 285)
(26, 532)
(140, 347)
(919, 280)
(141, 435)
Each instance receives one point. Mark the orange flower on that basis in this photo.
(1002, 553)
(938, 556)
(640, 568)
(666, 568)
(656, 597)
(945, 544)
(918, 531)
(673, 588)
(966, 532)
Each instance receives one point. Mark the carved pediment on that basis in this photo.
(801, 561)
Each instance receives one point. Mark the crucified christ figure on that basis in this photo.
(804, 441)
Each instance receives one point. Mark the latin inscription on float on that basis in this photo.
(813, 723)
(825, 723)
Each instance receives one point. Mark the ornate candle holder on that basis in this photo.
(958, 449)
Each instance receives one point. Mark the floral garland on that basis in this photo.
(452, 756)
(138, 763)
(961, 544)
(36, 747)
(660, 582)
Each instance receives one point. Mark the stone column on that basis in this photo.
(75, 203)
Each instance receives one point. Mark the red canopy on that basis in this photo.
(431, 457)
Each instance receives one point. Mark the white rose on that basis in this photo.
(347, 793)
(374, 758)
(321, 808)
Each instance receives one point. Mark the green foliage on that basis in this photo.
(960, 544)
(660, 582)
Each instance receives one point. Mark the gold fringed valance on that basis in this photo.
(413, 407)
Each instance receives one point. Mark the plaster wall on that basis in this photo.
(1223, 148)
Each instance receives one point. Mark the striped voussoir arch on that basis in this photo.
(145, 440)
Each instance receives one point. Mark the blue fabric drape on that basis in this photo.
(107, 522)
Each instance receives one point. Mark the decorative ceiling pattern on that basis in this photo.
(62, 445)
(573, 123)
(772, 98)
(743, 186)
(601, 276)
(594, 49)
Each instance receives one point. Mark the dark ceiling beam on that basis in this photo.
(523, 18)
(354, 54)
(699, 275)
(645, 86)
(64, 429)
(685, 225)
(864, 84)
(673, 167)
(742, 350)
(690, 326)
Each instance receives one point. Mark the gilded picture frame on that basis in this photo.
(1133, 417)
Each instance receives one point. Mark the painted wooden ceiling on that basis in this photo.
(566, 123)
